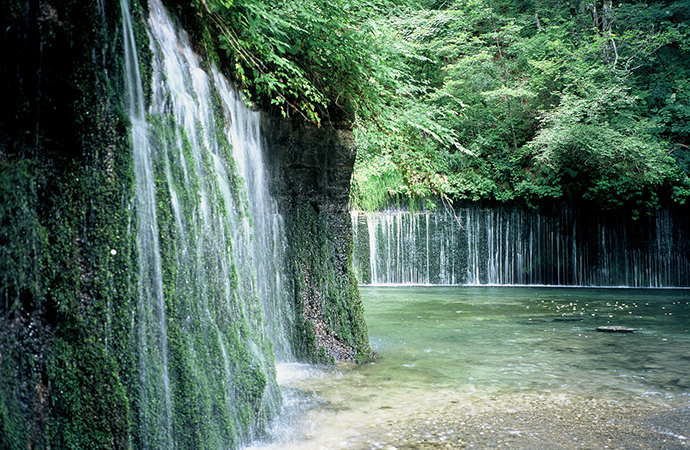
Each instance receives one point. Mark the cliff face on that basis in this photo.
(65, 179)
(310, 171)
(70, 335)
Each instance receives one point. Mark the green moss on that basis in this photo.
(324, 286)
(66, 184)
(22, 238)
(13, 424)
(219, 386)
(89, 409)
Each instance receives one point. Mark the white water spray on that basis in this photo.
(156, 410)
(211, 302)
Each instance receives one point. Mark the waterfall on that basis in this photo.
(211, 306)
(477, 244)
(156, 407)
(269, 240)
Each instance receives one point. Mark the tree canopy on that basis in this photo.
(478, 99)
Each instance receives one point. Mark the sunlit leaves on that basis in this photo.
(307, 57)
(497, 99)
(541, 110)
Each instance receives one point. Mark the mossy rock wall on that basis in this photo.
(66, 260)
(310, 171)
(70, 370)
(70, 367)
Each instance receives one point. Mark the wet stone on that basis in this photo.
(616, 329)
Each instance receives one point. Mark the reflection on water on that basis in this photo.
(451, 351)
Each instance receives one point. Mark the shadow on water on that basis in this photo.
(490, 367)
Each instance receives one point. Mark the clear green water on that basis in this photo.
(499, 339)
(505, 346)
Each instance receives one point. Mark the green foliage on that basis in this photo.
(598, 147)
(479, 99)
(375, 183)
(307, 58)
(537, 102)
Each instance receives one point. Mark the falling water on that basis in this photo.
(268, 244)
(211, 253)
(156, 409)
(511, 245)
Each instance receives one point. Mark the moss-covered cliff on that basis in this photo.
(66, 264)
(311, 169)
(71, 323)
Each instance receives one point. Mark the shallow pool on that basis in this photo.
(508, 367)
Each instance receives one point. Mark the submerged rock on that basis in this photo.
(617, 329)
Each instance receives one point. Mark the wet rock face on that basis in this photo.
(64, 166)
(310, 163)
(313, 165)
(310, 169)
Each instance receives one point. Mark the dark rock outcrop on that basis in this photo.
(310, 169)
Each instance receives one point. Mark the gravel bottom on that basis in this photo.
(535, 423)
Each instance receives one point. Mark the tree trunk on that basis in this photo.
(610, 53)
(602, 23)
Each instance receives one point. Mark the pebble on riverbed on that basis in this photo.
(536, 423)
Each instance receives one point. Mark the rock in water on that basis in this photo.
(617, 329)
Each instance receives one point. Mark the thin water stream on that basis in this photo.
(503, 367)
(563, 245)
(207, 231)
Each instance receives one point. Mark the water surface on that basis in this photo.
(456, 362)
(500, 340)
